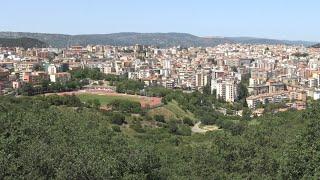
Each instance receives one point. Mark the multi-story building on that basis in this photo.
(227, 91)
(61, 77)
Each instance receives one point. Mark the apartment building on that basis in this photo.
(227, 91)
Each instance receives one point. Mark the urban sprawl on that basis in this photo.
(275, 73)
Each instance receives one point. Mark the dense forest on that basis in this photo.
(61, 137)
(44, 137)
(22, 42)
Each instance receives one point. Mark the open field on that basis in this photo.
(106, 97)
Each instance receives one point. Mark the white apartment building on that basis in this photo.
(221, 90)
(52, 69)
(201, 79)
(231, 92)
(227, 90)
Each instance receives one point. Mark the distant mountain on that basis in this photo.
(157, 39)
(315, 46)
(56, 40)
(21, 42)
(251, 40)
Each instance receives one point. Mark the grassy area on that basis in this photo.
(171, 111)
(106, 99)
(254, 122)
(180, 113)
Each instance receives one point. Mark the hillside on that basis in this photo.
(315, 46)
(171, 111)
(61, 138)
(251, 40)
(21, 42)
(56, 40)
(157, 39)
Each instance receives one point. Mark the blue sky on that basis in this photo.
(281, 19)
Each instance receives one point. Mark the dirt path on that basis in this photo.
(197, 129)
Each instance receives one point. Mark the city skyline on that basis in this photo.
(272, 19)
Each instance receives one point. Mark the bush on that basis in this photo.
(188, 121)
(93, 103)
(117, 118)
(208, 121)
(173, 127)
(237, 128)
(179, 129)
(116, 129)
(183, 130)
(126, 106)
(159, 118)
(137, 127)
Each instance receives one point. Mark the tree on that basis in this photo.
(126, 106)
(207, 90)
(243, 92)
(117, 118)
(38, 67)
(116, 128)
(188, 121)
(159, 118)
(234, 69)
(183, 130)
(27, 89)
(94, 103)
(246, 114)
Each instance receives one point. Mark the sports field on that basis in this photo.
(106, 98)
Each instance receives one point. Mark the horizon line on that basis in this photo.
(200, 36)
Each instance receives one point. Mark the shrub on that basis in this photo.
(126, 106)
(179, 129)
(116, 129)
(137, 127)
(183, 130)
(159, 118)
(117, 118)
(188, 121)
(173, 127)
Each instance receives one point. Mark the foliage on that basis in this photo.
(129, 86)
(50, 87)
(117, 118)
(207, 90)
(116, 128)
(188, 121)
(298, 54)
(93, 74)
(126, 106)
(159, 118)
(43, 142)
(179, 129)
(93, 103)
(22, 42)
(74, 142)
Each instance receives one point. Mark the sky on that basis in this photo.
(278, 19)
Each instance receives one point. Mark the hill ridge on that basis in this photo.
(131, 38)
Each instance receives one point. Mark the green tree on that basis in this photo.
(117, 118)
(159, 118)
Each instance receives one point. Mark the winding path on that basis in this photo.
(197, 129)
